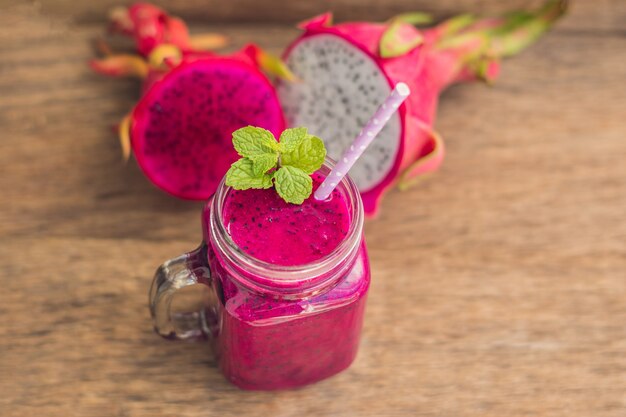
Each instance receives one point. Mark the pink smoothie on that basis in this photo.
(263, 225)
(268, 341)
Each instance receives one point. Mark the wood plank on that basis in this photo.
(585, 14)
(498, 283)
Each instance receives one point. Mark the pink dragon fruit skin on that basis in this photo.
(151, 26)
(440, 58)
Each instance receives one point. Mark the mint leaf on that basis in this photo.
(287, 165)
(293, 184)
(308, 155)
(241, 176)
(290, 139)
(263, 163)
(253, 141)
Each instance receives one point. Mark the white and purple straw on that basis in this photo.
(367, 135)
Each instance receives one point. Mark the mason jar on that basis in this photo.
(270, 326)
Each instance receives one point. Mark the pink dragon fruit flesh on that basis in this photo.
(181, 128)
(345, 71)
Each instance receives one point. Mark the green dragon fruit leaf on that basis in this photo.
(397, 40)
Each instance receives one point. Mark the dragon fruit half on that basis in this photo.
(346, 71)
(192, 100)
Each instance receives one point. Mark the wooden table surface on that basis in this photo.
(499, 284)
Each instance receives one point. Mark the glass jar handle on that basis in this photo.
(185, 270)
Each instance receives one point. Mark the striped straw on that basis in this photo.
(367, 135)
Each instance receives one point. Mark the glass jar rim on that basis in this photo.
(268, 277)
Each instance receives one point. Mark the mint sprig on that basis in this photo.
(287, 165)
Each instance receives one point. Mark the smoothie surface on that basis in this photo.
(266, 227)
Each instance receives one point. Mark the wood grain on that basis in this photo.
(499, 284)
(606, 13)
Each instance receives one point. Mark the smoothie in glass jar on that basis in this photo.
(293, 289)
(287, 282)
